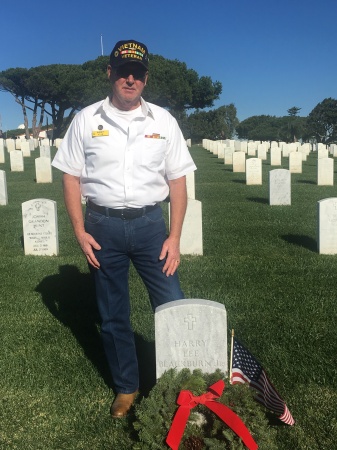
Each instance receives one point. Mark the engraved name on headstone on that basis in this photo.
(40, 231)
(191, 333)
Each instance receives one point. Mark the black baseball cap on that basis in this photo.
(129, 51)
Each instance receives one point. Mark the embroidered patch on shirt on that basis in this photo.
(154, 136)
(100, 133)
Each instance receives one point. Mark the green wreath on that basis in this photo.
(204, 429)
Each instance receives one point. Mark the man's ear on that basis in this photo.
(109, 72)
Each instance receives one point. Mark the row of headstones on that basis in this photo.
(251, 147)
(325, 164)
(43, 172)
(43, 168)
(280, 194)
(27, 144)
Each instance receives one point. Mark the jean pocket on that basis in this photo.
(93, 217)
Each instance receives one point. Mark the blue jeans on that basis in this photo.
(138, 240)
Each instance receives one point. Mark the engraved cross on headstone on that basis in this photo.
(190, 320)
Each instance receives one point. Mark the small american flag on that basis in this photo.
(245, 369)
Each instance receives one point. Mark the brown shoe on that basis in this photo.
(122, 404)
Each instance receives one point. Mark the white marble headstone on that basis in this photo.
(191, 333)
(16, 161)
(325, 171)
(45, 151)
(10, 144)
(3, 188)
(190, 185)
(327, 226)
(279, 187)
(40, 230)
(191, 241)
(275, 156)
(253, 171)
(295, 162)
(239, 162)
(2, 153)
(43, 170)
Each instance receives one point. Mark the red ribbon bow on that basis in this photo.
(186, 401)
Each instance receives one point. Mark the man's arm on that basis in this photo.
(178, 204)
(72, 199)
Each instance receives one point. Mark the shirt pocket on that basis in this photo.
(153, 153)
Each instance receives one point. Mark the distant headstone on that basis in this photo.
(191, 241)
(3, 188)
(40, 230)
(252, 149)
(275, 156)
(2, 154)
(43, 170)
(10, 144)
(253, 171)
(285, 150)
(191, 334)
(190, 185)
(58, 142)
(45, 141)
(229, 155)
(327, 226)
(322, 153)
(279, 187)
(295, 162)
(325, 171)
(25, 148)
(239, 162)
(221, 150)
(45, 151)
(262, 151)
(16, 161)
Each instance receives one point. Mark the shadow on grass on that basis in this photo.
(306, 182)
(301, 240)
(69, 296)
(239, 181)
(264, 201)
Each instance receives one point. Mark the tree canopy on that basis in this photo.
(272, 128)
(59, 90)
(215, 124)
(322, 121)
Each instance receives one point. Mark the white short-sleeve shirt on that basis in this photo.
(124, 164)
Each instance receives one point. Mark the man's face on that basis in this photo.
(128, 82)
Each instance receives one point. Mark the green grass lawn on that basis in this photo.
(260, 261)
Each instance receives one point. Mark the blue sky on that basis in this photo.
(269, 55)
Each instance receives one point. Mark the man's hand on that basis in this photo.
(87, 244)
(171, 251)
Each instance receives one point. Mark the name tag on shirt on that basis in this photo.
(100, 133)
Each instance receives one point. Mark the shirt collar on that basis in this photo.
(104, 106)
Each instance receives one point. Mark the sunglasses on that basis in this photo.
(138, 73)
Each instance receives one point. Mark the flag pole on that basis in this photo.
(102, 44)
(231, 357)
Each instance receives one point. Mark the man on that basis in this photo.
(125, 156)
